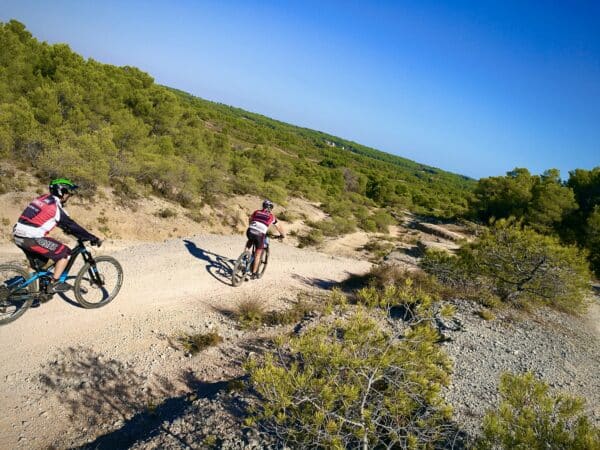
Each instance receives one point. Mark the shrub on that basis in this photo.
(351, 384)
(291, 315)
(383, 220)
(311, 238)
(523, 265)
(195, 343)
(335, 226)
(531, 417)
(486, 314)
(288, 216)
(517, 265)
(166, 213)
(378, 247)
(250, 313)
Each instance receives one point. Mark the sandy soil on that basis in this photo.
(51, 354)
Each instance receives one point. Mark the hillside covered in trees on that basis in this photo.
(61, 114)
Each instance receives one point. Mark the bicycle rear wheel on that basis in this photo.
(98, 283)
(264, 259)
(240, 268)
(14, 301)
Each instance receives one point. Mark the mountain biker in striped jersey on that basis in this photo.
(39, 218)
(260, 221)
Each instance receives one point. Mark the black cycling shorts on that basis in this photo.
(255, 238)
(46, 247)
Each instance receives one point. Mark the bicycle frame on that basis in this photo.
(80, 249)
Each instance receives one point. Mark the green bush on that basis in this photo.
(335, 226)
(526, 266)
(351, 384)
(519, 266)
(532, 417)
(383, 220)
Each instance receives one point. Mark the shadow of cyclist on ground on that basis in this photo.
(218, 266)
(119, 405)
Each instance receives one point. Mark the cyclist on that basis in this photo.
(39, 218)
(260, 221)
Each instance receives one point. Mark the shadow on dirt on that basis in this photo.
(316, 282)
(102, 391)
(220, 267)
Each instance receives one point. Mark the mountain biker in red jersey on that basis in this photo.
(260, 221)
(39, 218)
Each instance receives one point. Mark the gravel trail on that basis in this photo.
(64, 369)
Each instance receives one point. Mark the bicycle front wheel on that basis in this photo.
(98, 283)
(240, 268)
(14, 300)
(264, 259)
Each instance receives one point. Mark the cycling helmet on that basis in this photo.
(61, 186)
(268, 204)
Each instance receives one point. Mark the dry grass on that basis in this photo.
(195, 343)
(250, 313)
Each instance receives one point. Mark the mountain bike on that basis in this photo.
(243, 265)
(97, 283)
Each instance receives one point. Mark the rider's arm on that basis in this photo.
(70, 226)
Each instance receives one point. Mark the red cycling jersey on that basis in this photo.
(261, 220)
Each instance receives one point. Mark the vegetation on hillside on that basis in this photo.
(570, 210)
(61, 114)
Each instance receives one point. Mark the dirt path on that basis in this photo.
(58, 360)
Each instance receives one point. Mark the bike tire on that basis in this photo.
(103, 265)
(240, 268)
(5, 269)
(264, 260)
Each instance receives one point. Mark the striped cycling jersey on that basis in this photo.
(40, 217)
(260, 220)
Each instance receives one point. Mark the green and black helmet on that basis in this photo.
(61, 186)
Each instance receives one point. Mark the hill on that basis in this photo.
(63, 115)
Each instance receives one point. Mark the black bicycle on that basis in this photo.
(243, 265)
(97, 283)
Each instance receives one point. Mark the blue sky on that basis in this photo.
(473, 87)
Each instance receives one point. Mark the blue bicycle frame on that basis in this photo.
(39, 273)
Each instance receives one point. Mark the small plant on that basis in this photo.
(5, 221)
(530, 416)
(197, 217)
(311, 238)
(195, 343)
(486, 314)
(291, 315)
(166, 213)
(287, 216)
(210, 440)
(378, 248)
(250, 313)
(104, 230)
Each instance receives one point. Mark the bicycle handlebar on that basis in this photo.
(97, 243)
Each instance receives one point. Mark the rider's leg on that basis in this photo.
(59, 268)
(256, 262)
